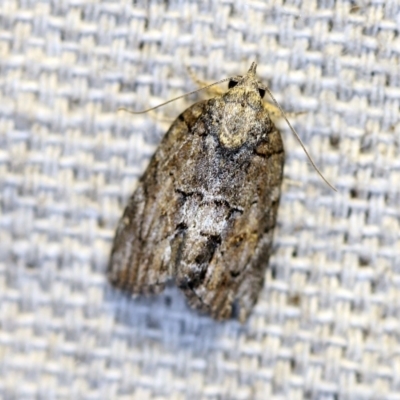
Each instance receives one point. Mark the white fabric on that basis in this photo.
(327, 323)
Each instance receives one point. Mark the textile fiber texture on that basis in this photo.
(327, 323)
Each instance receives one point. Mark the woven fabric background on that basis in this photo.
(327, 324)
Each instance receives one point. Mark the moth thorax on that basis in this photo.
(237, 122)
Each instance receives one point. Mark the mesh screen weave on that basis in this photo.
(327, 322)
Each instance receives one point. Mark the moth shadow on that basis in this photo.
(166, 319)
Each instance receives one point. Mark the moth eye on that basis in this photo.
(232, 84)
(261, 92)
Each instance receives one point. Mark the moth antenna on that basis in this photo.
(176, 98)
(298, 138)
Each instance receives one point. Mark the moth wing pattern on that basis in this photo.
(140, 255)
(225, 248)
(205, 209)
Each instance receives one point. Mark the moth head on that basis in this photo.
(240, 79)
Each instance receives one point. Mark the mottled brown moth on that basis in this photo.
(205, 210)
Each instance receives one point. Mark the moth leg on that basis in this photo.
(157, 118)
(214, 90)
(275, 113)
(273, 110)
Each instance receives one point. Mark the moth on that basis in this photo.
(204, 212)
